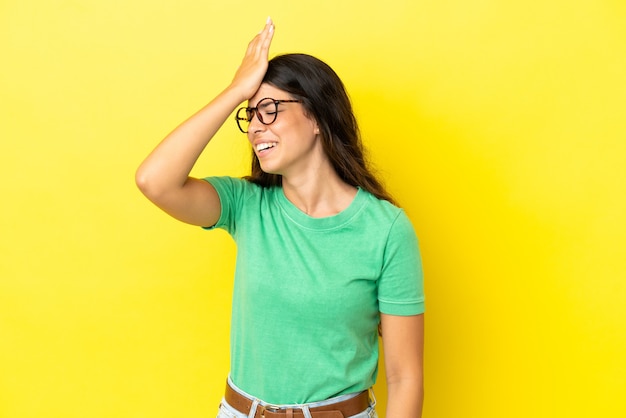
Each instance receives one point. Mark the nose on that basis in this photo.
(255, 124)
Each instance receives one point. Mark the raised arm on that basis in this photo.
(163, 177)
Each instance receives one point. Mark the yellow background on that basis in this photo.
(498, 125)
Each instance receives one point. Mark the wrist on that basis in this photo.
(236, 93)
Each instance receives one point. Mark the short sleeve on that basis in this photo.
(401, 284)
(231, 192)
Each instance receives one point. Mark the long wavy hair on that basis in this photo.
(325, 99)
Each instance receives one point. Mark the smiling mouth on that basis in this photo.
(265, 145)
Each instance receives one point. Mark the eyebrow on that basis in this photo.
(264, 105)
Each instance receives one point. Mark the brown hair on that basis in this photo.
(324, 98)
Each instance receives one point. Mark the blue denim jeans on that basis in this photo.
(227, 411)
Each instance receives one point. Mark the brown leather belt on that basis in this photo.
(342, 409)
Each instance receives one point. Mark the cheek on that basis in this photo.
(294, 125)
(307, 127)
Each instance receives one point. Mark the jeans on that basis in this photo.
(226, 411)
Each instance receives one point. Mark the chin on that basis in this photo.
(269, 170)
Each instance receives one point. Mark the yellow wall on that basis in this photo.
(499, 126)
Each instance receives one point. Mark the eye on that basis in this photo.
(268, 108)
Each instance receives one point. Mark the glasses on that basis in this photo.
(266, 111)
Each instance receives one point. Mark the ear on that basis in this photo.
(315, 126)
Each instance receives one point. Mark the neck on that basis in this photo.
(322, 195)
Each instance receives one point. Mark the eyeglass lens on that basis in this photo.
(266, 111)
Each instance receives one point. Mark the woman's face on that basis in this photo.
(291, 145)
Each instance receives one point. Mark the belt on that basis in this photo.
(342, 409)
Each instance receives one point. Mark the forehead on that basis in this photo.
(267, 90)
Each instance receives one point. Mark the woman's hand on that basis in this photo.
(250, 74)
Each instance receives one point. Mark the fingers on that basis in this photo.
(269, 24)
(260, 44)
(269, 35)
(254, 65)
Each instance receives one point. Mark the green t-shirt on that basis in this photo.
(308, 291)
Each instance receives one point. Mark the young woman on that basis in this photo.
(324, 259)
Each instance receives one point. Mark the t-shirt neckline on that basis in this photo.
(328, 222)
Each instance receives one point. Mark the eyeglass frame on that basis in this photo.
(255, 111)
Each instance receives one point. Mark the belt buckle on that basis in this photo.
(269, 408)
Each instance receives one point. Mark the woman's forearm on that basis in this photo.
(403, 340)
(167, 168)
(169, 164)
(405, 399)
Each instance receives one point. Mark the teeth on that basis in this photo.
(265, 145)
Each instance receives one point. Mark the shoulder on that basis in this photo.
(240, 201)
(234, 186)
(230, 182)
(238, 192)
(382, 210)
(389, 219)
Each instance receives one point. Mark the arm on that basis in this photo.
(163, 177)
(403, 343)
